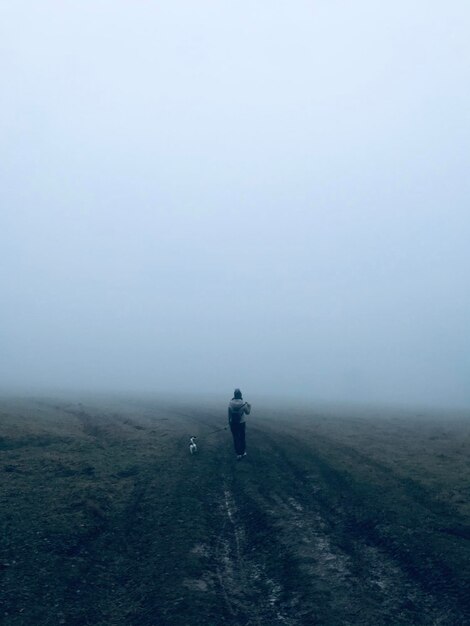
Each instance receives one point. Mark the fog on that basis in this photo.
(202, 195)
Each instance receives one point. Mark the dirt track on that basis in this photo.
(108, 520)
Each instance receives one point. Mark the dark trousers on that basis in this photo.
(238, 434)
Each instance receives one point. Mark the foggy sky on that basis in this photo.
(202, 195)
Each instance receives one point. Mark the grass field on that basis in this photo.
(336, 517)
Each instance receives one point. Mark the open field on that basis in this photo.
(335, 518)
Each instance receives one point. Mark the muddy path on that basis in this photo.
(120, 525)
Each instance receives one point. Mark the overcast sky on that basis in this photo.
(265, 194)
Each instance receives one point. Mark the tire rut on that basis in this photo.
(251, 595)
(343, 557)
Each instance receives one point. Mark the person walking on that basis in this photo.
(237, 409)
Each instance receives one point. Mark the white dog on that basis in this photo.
(192, 445)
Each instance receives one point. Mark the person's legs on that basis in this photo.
(238, 433)
(234, 429)
(242, 444)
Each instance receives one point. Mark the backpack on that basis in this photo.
(237, 413)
